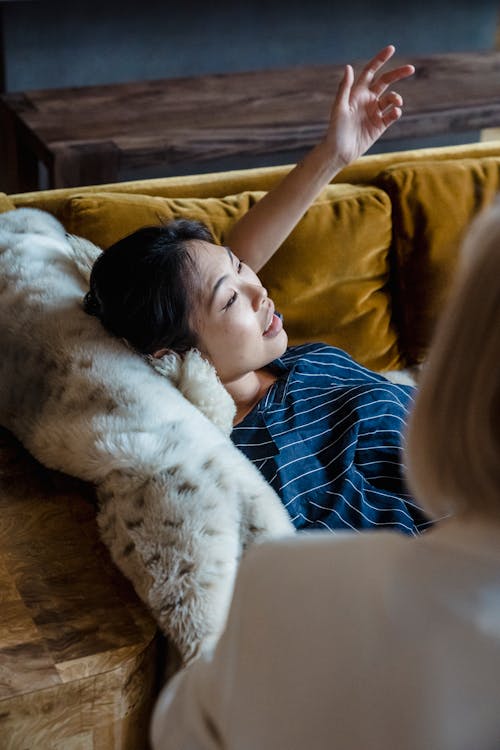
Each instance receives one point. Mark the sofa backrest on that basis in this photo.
(368, 267)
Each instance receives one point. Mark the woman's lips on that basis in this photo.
(274, 328)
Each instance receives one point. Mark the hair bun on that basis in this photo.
(91, 304)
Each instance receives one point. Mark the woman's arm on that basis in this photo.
(361, 112)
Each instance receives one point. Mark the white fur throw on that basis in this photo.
(178, 502)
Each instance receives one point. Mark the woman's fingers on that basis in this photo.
(382, 83)
(379, 84)
(390, 108)
(344, 89)
(369, 71)
(390, 115)
(392, 99)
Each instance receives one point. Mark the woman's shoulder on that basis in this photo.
(315, 351)
(322, 360)
(323, 545)
(328, 360)
(343, 563)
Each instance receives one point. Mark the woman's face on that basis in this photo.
(237, 329)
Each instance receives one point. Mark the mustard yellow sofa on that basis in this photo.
(367, 269)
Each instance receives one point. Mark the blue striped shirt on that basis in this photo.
(327, 437)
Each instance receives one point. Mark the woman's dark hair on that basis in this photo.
(142, 287)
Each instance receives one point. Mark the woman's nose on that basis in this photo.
(259, 294)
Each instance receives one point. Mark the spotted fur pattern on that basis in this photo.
(178, 502)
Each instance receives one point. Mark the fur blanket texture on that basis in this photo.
(178, 502)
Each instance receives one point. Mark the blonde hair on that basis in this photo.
(453, 435)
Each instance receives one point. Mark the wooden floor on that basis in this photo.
(78, 650)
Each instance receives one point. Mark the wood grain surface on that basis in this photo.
(90, 133)
(78, 666)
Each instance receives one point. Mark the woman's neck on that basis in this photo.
(248, 390)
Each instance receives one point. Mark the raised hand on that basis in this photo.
(363, 108)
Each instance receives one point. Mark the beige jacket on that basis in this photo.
(354, 642)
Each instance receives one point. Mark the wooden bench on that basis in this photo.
(89, 135)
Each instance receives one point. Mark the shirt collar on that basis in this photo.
(277, 391)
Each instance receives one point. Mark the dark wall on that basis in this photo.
(64, 43)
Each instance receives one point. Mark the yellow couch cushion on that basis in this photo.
(433, 205)
(329, 279)
(5, 203)
(104, 218)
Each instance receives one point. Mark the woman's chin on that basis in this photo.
(281, 341)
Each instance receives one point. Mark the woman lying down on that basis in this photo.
(323, 430)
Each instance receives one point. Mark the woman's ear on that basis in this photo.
(161, 353)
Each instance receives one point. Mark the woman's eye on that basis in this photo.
(231, 301)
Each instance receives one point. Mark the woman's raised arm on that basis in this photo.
(363, 109)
